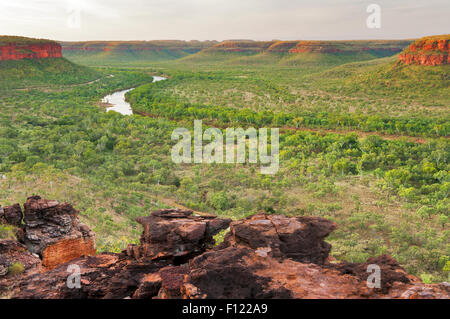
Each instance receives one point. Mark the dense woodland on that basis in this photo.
(363, 144)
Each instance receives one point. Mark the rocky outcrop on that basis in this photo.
(245, 46)
(18, 51)
(262, 256)
(297, 238)
(14, 252)
(11, 215)
(16, 263)
(282, 46)
(173, 46)
(49, 230)
(429, 51)
(382, 48)
(176, 235)
(53, 231)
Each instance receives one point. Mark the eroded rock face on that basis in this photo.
(54, 232)
(429, 51)
(14, 253)
(109, 276)
(263, 256)
(11, 215)
(176, 235)
(299, 238)
(229, 273)
(14, 51)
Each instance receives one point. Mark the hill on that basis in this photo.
(19, 48)
(130, 52)
(28, 62)
(428, 51)
(247, 52)
(293, 53)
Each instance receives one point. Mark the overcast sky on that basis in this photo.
(221, 19)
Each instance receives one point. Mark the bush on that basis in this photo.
(7, 232)
(16, 268)
(426, 278)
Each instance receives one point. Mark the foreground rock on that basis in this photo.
(11, 215)
(263, 256)
(176, 235)
(54, 232)
(298, 238)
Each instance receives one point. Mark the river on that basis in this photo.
(117, 99)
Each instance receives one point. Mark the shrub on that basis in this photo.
(16, 268)
(426, 278)
(7, 232)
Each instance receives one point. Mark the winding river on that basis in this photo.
(118, 102)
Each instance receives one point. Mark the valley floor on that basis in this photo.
(386, 186)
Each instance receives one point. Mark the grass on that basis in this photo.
(38, 73)
(57, 142)
(16, 269)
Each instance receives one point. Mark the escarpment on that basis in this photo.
(17, 48)
(262, 256)
(294, 47)
(174, 46)
(179, 49)
(429, 51)
(50, 230)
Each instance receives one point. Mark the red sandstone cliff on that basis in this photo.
(18, 51)
(388, 47)
(428, 51)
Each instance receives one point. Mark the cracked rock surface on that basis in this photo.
(262, 256)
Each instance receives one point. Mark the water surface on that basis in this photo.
(117, 99)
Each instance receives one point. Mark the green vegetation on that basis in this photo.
(16, 269)
(22, 40)
(388, 194)
(132, 53)
(362, 101)
(7, 232)
(39, 73)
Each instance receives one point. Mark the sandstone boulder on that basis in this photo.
(11, 215)
(176, 235)
(54, 232)
(263, 256)
(297, 238)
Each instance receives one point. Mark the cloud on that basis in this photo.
(221, 19)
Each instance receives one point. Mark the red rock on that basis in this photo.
(176, 235)
(13, 51)
(172, 279)
(263, 256)
(12, 252)
(53, 231)
(299, 238)
(11, 215)
(66, 250)
(149, 287)
(429, 51)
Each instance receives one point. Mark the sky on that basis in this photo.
(82, 20)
